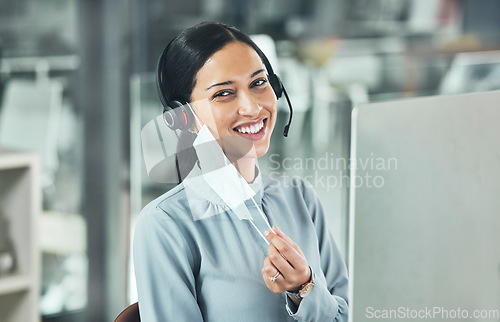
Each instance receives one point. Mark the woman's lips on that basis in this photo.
(252, 127)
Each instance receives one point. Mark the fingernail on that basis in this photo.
(266, 233)
(276, 229)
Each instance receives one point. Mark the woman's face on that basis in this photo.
(233, 97)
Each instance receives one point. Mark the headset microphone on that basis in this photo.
(287, 127)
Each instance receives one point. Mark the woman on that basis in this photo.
(217, 268)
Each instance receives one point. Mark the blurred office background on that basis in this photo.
(77, 86)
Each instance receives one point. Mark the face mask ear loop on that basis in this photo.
(262, 214)
(195, 117)
(257, 229)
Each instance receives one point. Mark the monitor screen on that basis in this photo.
(424, 232)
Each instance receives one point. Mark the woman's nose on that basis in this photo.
(248, 104)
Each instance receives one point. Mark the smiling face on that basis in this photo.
(234, 98)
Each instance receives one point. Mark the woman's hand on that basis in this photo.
(285, 268)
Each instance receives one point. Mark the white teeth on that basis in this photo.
(254, 128)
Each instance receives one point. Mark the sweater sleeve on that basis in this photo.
(328, 300)
(163, 264)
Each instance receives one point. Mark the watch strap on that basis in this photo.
(293, 294)
(297, 295)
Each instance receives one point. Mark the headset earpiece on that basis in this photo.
(276, 85)
(279, 90)
(177, 116)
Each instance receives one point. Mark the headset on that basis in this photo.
(179, 116)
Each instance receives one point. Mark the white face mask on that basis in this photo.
(160, 144)
(221, 175)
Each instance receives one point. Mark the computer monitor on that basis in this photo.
(424, 226)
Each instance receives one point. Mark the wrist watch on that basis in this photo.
(304, 290)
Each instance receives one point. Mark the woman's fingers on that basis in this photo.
(279, 261)
(286, 250)
(287, 258)
(272, 277)
(268, 269)
(287, 239)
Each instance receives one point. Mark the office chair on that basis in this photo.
(130, 314)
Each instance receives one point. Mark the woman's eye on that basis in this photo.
(221, 94)
(259, 82)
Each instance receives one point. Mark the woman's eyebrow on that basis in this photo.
(219, 84)
(257, 72)
(231, 82)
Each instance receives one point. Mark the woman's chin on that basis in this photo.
(253, 153)
(236, 147)
(261, 150)
(239, 155)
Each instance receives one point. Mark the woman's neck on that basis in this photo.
(246, 167)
